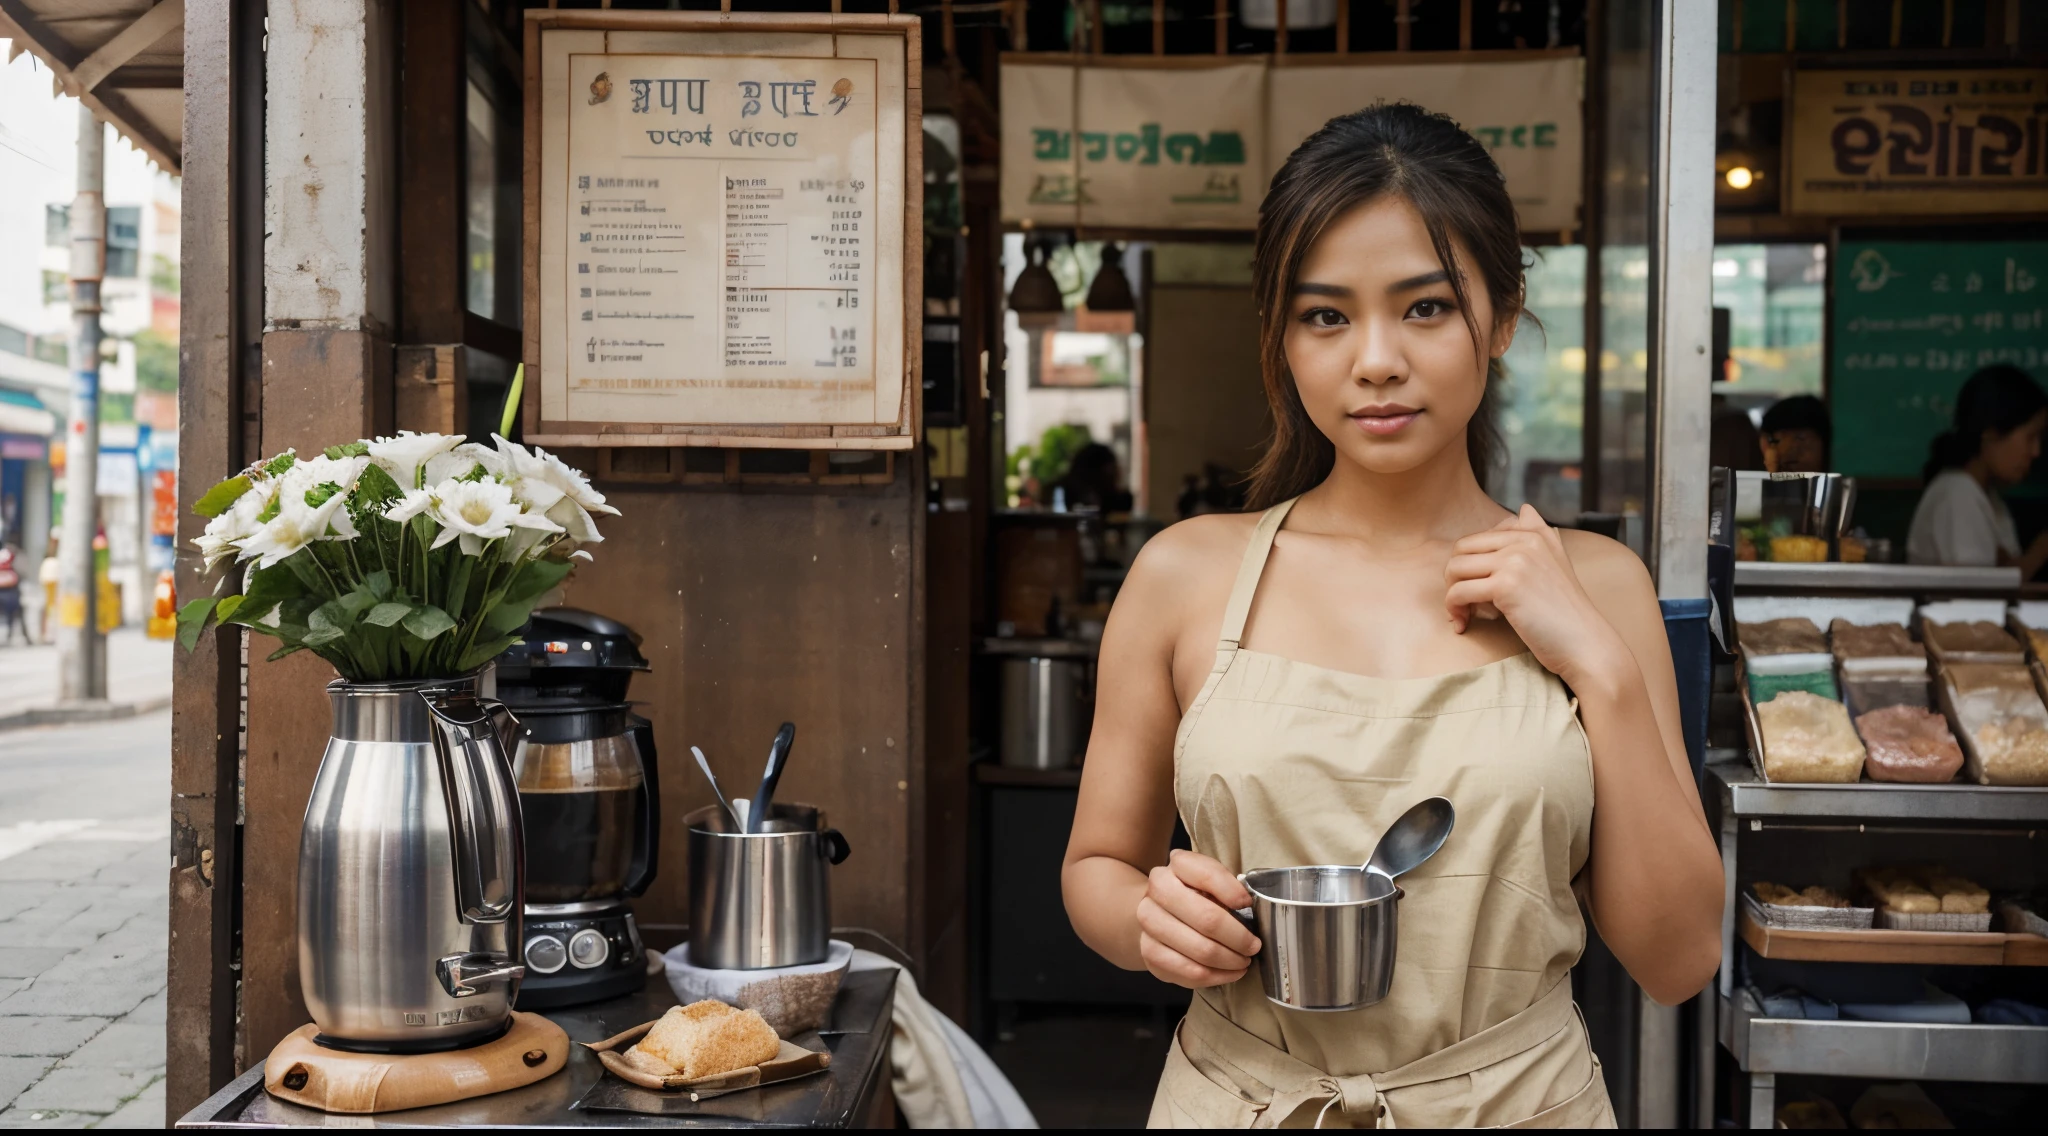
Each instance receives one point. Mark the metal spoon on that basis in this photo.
(704, 764)
(778, 755)
(1413, 838)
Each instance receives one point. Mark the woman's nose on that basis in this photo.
(1379, 358)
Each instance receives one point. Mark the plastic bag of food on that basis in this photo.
(1980, 637)
(1997, 706)
(1808, 738)
(1908, 743)
(1794, 636)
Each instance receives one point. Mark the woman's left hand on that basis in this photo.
(1519, 569)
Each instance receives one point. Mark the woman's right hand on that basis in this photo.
(1187, 934)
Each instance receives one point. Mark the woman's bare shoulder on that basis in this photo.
(1613, 576)
(1187, 563)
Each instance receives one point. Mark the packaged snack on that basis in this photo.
(1977, 638)
(1877, 640)
(1997, 706)
(1793, 636)
(1808, 738)
(1780, 896)
(1908, 743)
(1799, 549)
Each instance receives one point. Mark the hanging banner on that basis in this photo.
(716, 218)
(1525, 111)
(1151, 148)
(1906, 142)
(1192, 145)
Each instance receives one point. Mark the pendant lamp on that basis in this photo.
(1111, 291)
(1035, 297)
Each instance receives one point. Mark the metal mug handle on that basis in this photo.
(833, 846)
(483, 804)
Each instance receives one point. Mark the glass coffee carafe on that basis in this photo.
(583, 793)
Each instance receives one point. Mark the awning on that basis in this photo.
(24, 413)
(123, 58)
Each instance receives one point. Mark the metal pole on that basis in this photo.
(81, 650)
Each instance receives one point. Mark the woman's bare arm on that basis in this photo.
(1655, 875)
(1130, 901)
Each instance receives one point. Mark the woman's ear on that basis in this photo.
(1504, 329)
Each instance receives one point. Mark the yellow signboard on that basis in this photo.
(1899, 141)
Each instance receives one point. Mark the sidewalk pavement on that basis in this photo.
(138, 681)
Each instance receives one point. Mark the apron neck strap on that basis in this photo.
(1239, 609)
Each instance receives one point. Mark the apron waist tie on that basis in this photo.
(1303, 1095)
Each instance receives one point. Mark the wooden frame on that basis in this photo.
(902, 434)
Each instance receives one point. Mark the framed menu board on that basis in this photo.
(723, 244)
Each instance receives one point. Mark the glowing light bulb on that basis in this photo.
(1739, 177)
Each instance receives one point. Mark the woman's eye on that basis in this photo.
(1428, 309)
(1323, 317)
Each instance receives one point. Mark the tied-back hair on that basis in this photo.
(1999, 398)
(1450, 179)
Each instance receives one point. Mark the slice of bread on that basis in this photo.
(704, 1039)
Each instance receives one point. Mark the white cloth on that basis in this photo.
(1959, 523)
(940, 1077)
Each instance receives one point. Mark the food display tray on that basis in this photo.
(1922, 948)
(1779, 916)
(1942, 922)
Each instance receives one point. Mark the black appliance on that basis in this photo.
(590, 797)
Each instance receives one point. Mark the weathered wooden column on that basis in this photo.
(219, 357)
(330, 213)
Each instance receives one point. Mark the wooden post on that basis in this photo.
(1280, 28)
(1095, 27)
(1343, 27)
(1159, 27)
(946, 40)
(1402, 19)
(1222, 27)
(1898, 19)
(1841, 26)
(1464, 25)
(1020, 25)
(222, 251)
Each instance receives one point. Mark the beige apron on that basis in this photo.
(1280, 763)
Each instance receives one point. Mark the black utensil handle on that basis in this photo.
(647, 856)
(836, 848)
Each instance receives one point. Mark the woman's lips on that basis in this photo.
(1382, 421)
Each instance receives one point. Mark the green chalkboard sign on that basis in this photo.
(1911, 321)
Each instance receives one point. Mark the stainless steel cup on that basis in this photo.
(1327, 935)
(763, 899)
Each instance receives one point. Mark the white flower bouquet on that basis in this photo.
(415, 557)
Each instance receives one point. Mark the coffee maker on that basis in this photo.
(590, 797)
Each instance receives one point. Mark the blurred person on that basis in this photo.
(1961, 520)
(47, 576)
(1797, 435)
(1733, 441)
(10, 597)
(1094, 481)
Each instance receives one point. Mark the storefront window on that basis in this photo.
(1542, 415)
(1776, 307)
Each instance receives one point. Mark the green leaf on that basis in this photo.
(535, 577)
(352, 450)
(428, 622)
(508, 616)
(222, 497)
(321, 636)
(192, 620)
(271, 510)
(484, 652)
(387, 614)
(229, 605)
(287, 649)
(458, 585)
(268, 587)
(358, 600)
(379, 583)
(330, 616)
(277, 466)
(376, 486)
(322, 493)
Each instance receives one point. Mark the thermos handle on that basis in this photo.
(833, 846)
(648, 855)
(483, 804)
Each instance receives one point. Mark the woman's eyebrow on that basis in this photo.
(1422, 281)
(1313, 289)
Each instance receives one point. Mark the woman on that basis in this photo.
(2000, 414)
(1292, 680)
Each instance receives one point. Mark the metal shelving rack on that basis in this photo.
(1766, 1047)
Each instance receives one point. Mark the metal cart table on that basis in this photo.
(852, 1093)
(1766, 1047)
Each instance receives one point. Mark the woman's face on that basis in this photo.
(1382, 357)
(2008, 457)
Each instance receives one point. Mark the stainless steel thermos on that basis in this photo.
(761, 899)
(411, 869)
